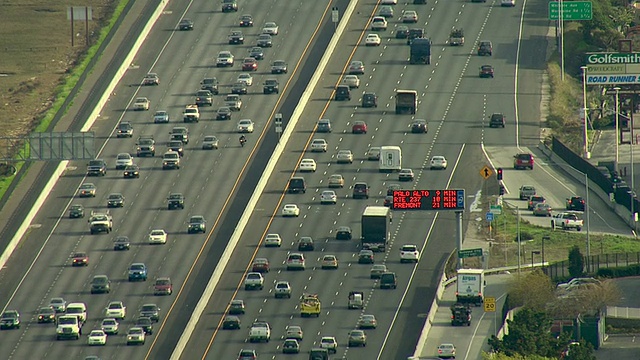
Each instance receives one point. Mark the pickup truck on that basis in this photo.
(78, 310)
(260, 331)
(254, 280)
(68, 327)
(566, 221)
(191, 113)
(233, 101)
(100, 222)
(456, 37)
(527, 191)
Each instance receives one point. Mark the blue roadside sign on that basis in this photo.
(489, 216)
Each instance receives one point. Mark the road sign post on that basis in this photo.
(571, 10)
(490, 306)
(335, 17)
(278, 123)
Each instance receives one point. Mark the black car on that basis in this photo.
(229, 5)
(342, 93)
(186, 24)
(46, 315)
(246, 20)
(236, 38)
(125, 129)
(76, 211)
(231, 322)
(365, 257)
(223, 113)
(279, 67)
(239, 88)
(146, 324)
(486, 71)
(575, 203)
(176, 146)
(256, 53)
(131, 171)
(402, 32)
(152, 311)
(115, 200)
(175, 201)
(100, 284)
(305, 244)
(343, 233)
(236, 307)
(121, 243)
(419, 126)
(369, 99)
(497, 120)
(271, 86)
(323, 126)
(210, 84)
(197, 224)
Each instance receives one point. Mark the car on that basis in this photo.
(359, 127)
(329, 343)
(388, 280)
(373, 153)
(151, 79)
(231, 322)
(352, 81)
(386, 11)
(336, 181)
(197, 224)
(367, 321)
(388, 201)
(110, 326)
(296, 261)
(254, 280)
(46, 314)
(58, 304)
(389, 2)
(542, 209)
(290, 346)
(438, 162)
(260, 265)
(379, 23)
(486, 71)
(535, 199)
(365, 257)
(158, 236)
(293, 332)
(115, 200)
(377, 270)
(485, 48)
(210, 142)
(305, 243)
(264, 40)
(10, 319)
(508, 3)
(202, 98)
(279, 67)
(124, 129)
(185, 25)
(100, 284)
(497, 120)
(323, 126)
(236, 38)
(145, 323)
(297, 184)
(446, 351)
(344, 157)
(210, 84)
(319, 145)
(328, 197)
(137, 271)
(248, 64)
(152, 311)
(160, 117)
(307, 165)
(410, 16)
(419, 126)
(97, 337)
(236, 307)
(270, 28)
(405, 175)
(135, 335)
(171, 159)
(121, 243)
(357, 338)
(393, 187)
(271, 86)
(282, 289)
(356, 68)
(245, 126)
(116, 310)
(343, 233)
(223, 113)
(131, 172)
(523, 161)
(76, 211)
(575, 203)
(175, 201)
(141, 103)
(79, 259)
(256, 52)
(578, 282)
(329, 262)
(402, 32)
(246, 20)
(409, 253)
(342, 93)
(229, 6)
(290, 210)
(360, 190)
(369, 100)
(87, 190)
(239, 88)
(177, 146)
(163, 286)
(246, 354)
(225, 58)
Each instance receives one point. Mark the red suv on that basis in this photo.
(523, 161)
(360, 190)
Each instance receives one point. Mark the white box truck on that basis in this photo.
(390, 158)
(470, 286)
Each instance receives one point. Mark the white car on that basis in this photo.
(116, 310)
(409, 253)
(135, 336)
(329, 343)
(110, 326)
(123, 160)
(272, 240)
(141, 103)
(210, 142)
(158, 236)
(295, 261)
(328, 197)
(410, 16)
(344, 157)
(245, 126)
(405, 175)
(246, 79)
(389, 2)
(270, 28)
(378, 23)
(351, 81)
(319, 145)
(291, 210)
(307, 165)
(225, 58)
(438, 162)
(372, 40)
(97, 337)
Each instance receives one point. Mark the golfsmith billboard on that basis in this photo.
(613, 68)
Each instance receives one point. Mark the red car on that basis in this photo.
(260, 265)
(80, 259)
(163, 286)
(359, 127)
(250, 64)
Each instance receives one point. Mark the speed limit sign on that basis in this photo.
(489, 304)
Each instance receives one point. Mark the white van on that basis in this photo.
(390, 158)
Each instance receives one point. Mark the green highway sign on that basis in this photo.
(467, 253)
(495, 209)
(571, 10)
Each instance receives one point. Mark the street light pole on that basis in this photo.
(617, 89)
(586, 210)
(518, 235)
(587, 154)
(561, 18)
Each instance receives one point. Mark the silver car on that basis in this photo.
(344, 157)
(209, 142)
(367, 321)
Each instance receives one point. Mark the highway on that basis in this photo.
(41, 269)
(450, 95)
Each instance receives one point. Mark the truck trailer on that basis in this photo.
(470, 286)
(375, 228)
(420, 51)
(406, 102)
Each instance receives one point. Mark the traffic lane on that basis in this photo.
(623, 347)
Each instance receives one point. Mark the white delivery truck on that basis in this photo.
(390, 158)
(470, 286)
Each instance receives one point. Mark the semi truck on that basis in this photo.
(406, 102)
(390, 159)
(375, 227)
(470, 286)
(420, 51)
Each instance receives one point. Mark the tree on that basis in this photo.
(533, 290)
(576, 262)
